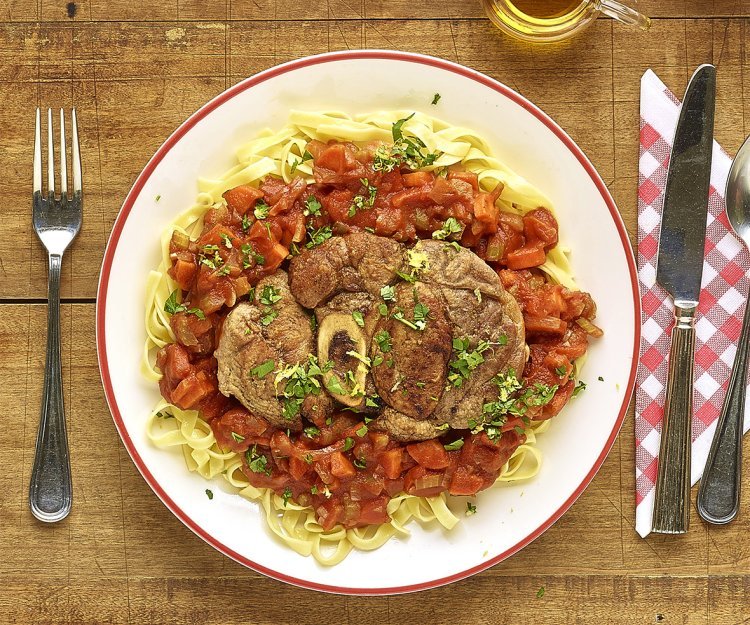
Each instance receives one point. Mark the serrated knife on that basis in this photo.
(679, 270)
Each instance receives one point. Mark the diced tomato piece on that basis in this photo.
(374, 512)
(465, 176)
(430, 454)
(391, 462)
(238, 429)
(485, 209)
(192, 390)
(418, 178)
(298, 468)
(526, 257)
(422, 482)
(242, 198)
(184, 273)
(465, 482)
(540, 225)
(545, 325)
(341, 466)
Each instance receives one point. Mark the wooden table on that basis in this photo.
(135, 71)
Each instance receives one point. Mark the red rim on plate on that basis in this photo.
(170, 143)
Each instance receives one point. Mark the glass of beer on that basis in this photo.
(553, 20)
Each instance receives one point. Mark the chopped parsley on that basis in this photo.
(435, 98)
(409, 151)
(348, 443)
(311, 431)
(382, 310)
(358, 318)
(421, 313)
(470, 508)
(450, 228)
(314, 490)
(270, 295)
(171, 306)
(164, 415)
(237, 437)
(226, 239)
(377, 360)
(256, 462)
(465, 361)
(361, 202)
(312, 206)
(248, 252)
(262, 370)
(561, 371)
(209, 493)
(388, 293)
(600, 378)
(361, 431)
(360, 463)
(306, 156)
(580, 387)
(286, 495)
(383, 339)
(540, 592)
(269, 314)
(318, 236)
(261, 209)
(333, 384)
(372, 401)
(157, 198)
(300, 380)
(455, 445)
(308, 458)
(246, 223)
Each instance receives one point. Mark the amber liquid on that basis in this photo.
(545, 9)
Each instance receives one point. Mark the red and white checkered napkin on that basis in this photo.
(725, 285)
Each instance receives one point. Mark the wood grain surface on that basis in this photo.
(135, 71)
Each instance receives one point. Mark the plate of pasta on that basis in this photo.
(368, 336)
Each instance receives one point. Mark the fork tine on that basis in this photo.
(50, 156)
(76, 155)
(37, 154)
(63, 156)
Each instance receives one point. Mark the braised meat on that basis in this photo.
(271, 328)
(357, 262)
(411, 375)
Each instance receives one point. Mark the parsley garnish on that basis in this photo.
(470, 508)
(311, 431)
(360, 463)
(286, 495)
(157, 198)
(312, 206)
(261, 209)
(358, 318)
(455, 445)
(410, 151)
(540, 592)
(314, 490)
(237, 438)
(300, 380)
(580, 387)
(361, 431)
(269, 314)
(262, 370)
(436, 98)
(171, 306)
(421, 313)
(209, 493)
(245, 223)
(360, 202)
(318, 236)
(451, 227)
(600, 378)
(227, 240)
(388, 293)
(383, 339)
(333, 384)
(561, 371)
(270, 295)
(348, 443)
(306, 156)
(465, 361)
(256, 462)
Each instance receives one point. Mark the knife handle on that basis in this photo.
(719, 490)
(672, 501)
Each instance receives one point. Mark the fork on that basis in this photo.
(57, 221)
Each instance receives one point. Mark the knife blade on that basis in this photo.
(679, 270)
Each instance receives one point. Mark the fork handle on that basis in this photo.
(719, 490)
(672, 500)
(51, 490)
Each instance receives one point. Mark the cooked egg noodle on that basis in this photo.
(281, 154)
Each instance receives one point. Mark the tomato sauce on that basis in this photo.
(342, 468)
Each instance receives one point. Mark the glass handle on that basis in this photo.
(624, 14)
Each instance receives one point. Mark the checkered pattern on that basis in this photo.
(721, 301)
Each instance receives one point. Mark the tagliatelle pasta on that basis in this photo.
(282, 154)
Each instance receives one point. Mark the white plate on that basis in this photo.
(574, 448)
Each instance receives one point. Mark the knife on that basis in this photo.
(679, 269)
